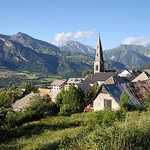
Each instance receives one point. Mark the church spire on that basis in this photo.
(99, 61)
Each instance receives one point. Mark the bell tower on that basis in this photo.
(99, 61)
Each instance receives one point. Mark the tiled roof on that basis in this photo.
(58, 82)
(137, 91)
(102, 76)
(22, 103)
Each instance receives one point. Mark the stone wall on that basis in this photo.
(99, 102)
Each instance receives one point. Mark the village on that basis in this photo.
(112, 84)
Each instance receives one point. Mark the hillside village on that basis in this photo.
(112, 84)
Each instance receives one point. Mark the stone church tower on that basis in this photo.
(99, 61)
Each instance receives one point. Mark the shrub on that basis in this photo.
(72, 102)
(108, 117)
(124, 101)
(148, 101)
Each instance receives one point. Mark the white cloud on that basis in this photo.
(64, 37)
(137, 41)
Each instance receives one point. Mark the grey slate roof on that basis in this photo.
(58, 82)
(102, 76)
(116, 79)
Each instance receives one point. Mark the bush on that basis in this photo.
(124, 101)
(72, 102)
(107, 117)
(41, 106)
(148, 101)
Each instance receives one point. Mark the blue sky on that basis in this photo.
(57, 21)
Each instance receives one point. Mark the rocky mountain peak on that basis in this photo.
(77, 46)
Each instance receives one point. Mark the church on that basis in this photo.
(100, 74)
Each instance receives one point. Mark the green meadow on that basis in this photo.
(81, 132)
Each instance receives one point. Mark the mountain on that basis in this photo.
(30, 42)
(15, 56)
(132, 56)
(78, 47)
(21, 52)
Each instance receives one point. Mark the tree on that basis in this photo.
(88, 95)
(87, 72)
(124, 101)
(72, 102)
(9, 96)
(148, 101)
(59, 97)
(40, 106)
(28, 88)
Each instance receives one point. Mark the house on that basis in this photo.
(57, 86)
(116, 79)
(73, 81)
(143, 76)
(108, 97)
(21, 104)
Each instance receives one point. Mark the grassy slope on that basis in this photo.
(147, 66)
(48, 133)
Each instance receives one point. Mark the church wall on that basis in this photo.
(96, 63)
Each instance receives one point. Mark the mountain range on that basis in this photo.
(21, 52)
(131, 56)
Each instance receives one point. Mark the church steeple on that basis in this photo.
(99, 61)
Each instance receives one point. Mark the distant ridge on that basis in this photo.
(132, 56)
(76, 46)
(21, 52)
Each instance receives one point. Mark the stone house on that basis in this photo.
(143, 76)
(108, 97)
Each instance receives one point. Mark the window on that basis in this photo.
(96, 67)
(107, 104)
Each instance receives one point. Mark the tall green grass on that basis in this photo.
(80, 131)
(131, 134)
(47, 133)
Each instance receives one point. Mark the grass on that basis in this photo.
(47, 133)
(79, 131)
(13, 77)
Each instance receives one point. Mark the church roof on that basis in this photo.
(101, 76)
(99, 52)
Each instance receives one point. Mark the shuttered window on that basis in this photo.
(107, 104)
